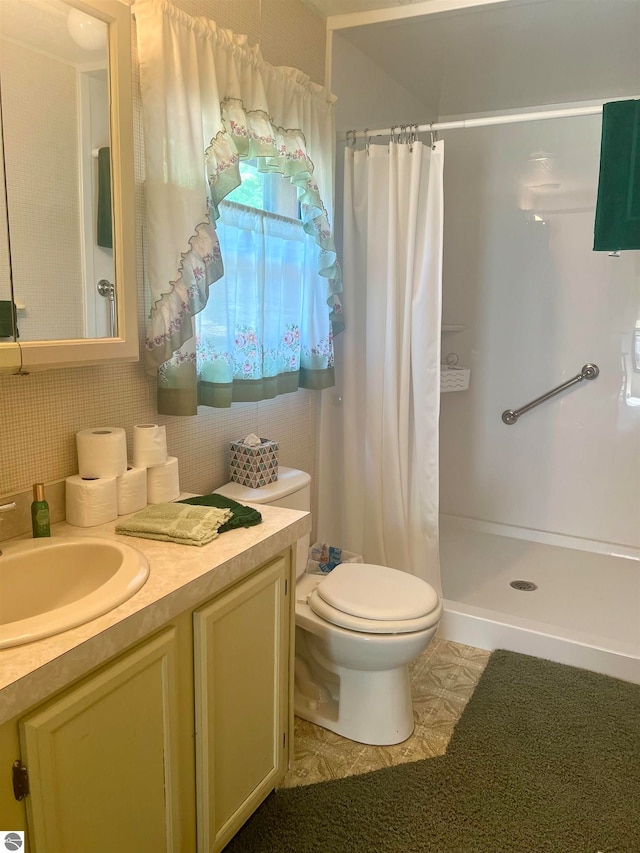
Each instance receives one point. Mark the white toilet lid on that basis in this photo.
(377, 593)
(372, 626)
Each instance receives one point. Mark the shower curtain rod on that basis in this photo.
(486, 121)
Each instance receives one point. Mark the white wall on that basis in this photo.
(537, 303)
(508, 56)
(367, 96)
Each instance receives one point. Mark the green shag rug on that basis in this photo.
(545, 759)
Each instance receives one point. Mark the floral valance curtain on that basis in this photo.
(210, 100)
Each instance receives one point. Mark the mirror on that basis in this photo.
(67, 251)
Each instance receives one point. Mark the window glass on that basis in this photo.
(268, 191)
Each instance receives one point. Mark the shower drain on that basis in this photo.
(524, 586)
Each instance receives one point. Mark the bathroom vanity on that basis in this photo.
(167, 720)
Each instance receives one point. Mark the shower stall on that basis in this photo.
(539, 518)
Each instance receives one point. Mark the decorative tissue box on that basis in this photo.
(454, 378)
(254, 466)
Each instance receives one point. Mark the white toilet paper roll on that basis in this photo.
(149, 445)
(132, 490)
(91, 502)
(102, 452)
(163, 482)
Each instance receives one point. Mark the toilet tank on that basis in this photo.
(292, 490)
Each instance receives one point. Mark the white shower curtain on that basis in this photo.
(378, 444)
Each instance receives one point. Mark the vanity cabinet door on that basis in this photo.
(102, 759)
(241, 648)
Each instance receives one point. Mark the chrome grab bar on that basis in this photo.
(589, 371)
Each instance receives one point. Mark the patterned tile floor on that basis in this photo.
(442, 681)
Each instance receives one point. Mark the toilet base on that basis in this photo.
(370, 707)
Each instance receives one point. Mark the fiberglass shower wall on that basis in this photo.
(536, 304)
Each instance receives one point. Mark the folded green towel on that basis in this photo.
(174, 522)
(617, 223)
(243, 516)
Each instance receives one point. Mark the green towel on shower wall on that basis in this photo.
(104, 235)
(617, 224)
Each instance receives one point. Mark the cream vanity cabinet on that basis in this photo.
(172, 745)
(102, 756)
(241, 653)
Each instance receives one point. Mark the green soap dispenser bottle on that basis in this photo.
(40, 521)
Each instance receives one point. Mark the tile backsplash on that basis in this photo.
(42, 412)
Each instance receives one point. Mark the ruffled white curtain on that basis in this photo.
(379, 445)
(210, 100)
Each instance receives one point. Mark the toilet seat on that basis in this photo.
(375, 600)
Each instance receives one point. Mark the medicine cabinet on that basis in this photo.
(67, 229)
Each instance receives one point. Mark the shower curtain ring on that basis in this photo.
(366, 139)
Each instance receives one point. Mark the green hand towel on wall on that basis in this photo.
(174, 522)
(617, 224)
(104, 235)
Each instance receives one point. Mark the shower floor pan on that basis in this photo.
(584, 610)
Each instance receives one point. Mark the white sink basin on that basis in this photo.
(50, 585)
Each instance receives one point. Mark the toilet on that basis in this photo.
(357, 629)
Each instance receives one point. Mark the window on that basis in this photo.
(266, 319)
(268, 191)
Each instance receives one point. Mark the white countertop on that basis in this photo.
(180, 577)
